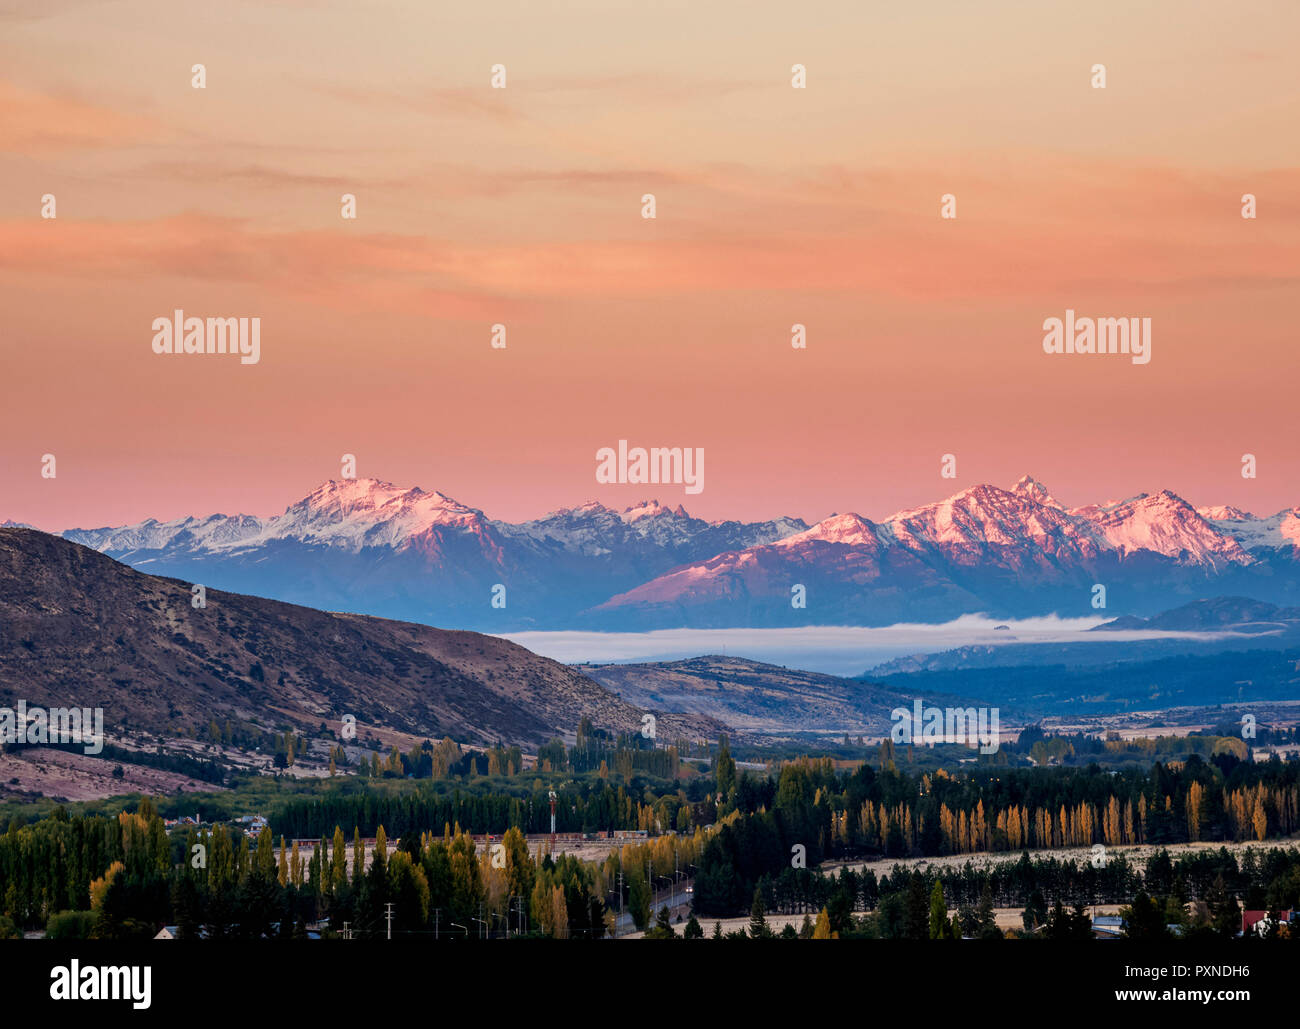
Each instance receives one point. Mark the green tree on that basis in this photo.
(1058, 925)
(726, 769)
(520, 871)
(70, 925)
(1035, 913)
(758, 927)
(663, 927)
(1080, 924)
(917, 912)
(338, 862)
(1145, 920)
(988, 926)
(1225, 915)
(638, 899)
(941, 927)
(408, 890)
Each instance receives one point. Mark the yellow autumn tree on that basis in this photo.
(1195, 797)
(1260, 819)
(99, 887)
(560, 917)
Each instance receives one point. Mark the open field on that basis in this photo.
(599, 849)
(1137, 854)
(72, 776)
(538, 846)
(1006, 918)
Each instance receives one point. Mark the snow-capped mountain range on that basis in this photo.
(371, 547)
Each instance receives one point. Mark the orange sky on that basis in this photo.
(522, 206)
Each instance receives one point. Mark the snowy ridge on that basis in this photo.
(982, 542)
(359, 513)
(1251, 531)
(369, 546)
(983, 517)
(349, 514)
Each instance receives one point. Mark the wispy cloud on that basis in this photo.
(41, 123)
(834, 650)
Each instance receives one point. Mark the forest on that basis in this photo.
(746, 840)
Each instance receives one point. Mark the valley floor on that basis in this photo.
(1135, 854)
(72, 776)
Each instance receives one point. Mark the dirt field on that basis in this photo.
(1135, 854)
(587, 850)
(775, 922)
(57, 773)
(1006, 918)
(597, 850)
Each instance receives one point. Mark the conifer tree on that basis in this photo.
(940, 926)
(1224, 912)
(339, 863)
(758, 927)
(988, 926)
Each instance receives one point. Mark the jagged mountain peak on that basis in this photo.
(1028, 486)
(651, 509)
(357, 513)
(1166, 524)
(590, 507)
(847, 528)
(983, 515)
(367, 494)
(369, 545)
(1224, 513)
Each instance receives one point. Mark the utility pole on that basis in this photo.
(436, 913)
(620, 903)
(388, 913)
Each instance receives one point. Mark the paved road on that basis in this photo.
(661, 899)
